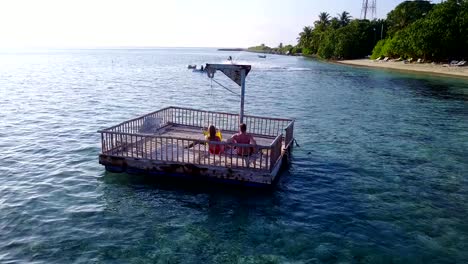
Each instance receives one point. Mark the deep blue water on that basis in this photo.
(381, 174)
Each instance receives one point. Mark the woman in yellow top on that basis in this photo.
(214, 136)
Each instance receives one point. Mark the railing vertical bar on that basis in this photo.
(204, 155)
(188, 157)
(278, 128)
(161, 148)
(262, 130)
(182, 115)
(263, 127)
(255, 164)
(156, 148)
(177, 150)
(140, 148)
(200, 154)
(193, 148)
(183, 159)
(172, 149)
(125, 142)
(165, 147)
(125, 150)
(191, 118)
(131, 144)
(255, 121)
(216, 118)
(258, 126)
(137, 143)
(267, 158)
(269, 128)
(145, 148)
(225, 156)
(107, 142)
(261, 159)
(220, 155)
(274, 128)
(231, 151)
(121, 145)
(102, 143)
(151, 148)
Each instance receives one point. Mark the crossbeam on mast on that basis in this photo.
(237, 73)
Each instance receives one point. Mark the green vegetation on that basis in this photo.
(414, 29)
(340, 37)
(440, 34)
(281, 49)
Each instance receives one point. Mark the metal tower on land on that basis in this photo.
(369, 9)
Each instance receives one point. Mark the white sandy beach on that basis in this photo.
(436, 69)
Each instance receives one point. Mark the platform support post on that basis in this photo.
(241, 115)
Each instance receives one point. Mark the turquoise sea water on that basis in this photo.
(381, 174)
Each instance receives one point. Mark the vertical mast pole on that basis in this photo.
(241, 115)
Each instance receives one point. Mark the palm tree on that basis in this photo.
(335, 23)
(344, 18)
(324, 18)
(323, 22)
(305, 37)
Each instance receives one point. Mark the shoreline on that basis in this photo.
(424, 68)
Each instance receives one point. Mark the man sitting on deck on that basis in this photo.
(243, 138)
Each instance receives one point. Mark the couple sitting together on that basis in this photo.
(240, 138)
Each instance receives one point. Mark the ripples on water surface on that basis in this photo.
(380, 177)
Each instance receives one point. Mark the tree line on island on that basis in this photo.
(414, 29)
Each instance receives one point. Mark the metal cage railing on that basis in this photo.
(138, 138)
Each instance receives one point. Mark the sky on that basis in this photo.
(164, 23)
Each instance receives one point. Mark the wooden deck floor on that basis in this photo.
(182, 151)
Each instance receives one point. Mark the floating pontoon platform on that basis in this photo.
(170, 142)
